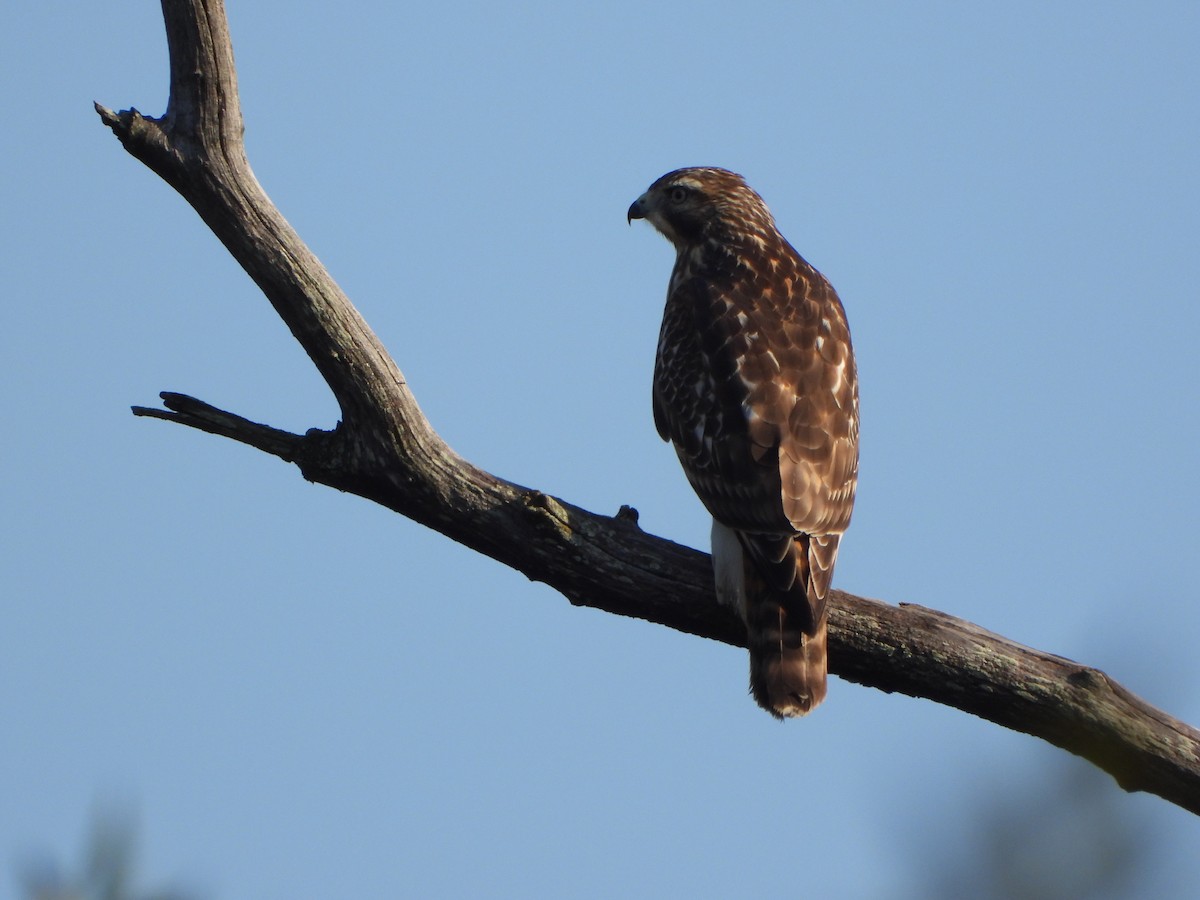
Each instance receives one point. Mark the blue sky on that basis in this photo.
(305, 695)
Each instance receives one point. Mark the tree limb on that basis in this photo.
(385, 450)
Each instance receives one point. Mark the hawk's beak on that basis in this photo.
(635, 210)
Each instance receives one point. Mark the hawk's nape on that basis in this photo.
(755, 387)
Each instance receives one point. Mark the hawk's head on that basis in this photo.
(690, 206)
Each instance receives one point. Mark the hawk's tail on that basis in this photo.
(779, 583)
(787, 665)
(786, 580)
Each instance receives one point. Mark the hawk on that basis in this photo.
(755, 387)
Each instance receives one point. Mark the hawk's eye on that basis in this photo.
(677, 194)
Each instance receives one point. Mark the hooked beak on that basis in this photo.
(636, 210)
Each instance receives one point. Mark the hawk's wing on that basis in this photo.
(755, 386)
(760, 400)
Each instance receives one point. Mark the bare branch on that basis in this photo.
(196, 413)
(386, 451)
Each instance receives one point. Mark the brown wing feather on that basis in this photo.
(758, 394)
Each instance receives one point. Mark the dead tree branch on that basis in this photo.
(385, 450)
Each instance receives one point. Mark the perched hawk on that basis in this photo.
(755, 386)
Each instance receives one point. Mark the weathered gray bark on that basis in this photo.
(386, 451)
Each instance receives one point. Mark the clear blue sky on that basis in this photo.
(305, 695)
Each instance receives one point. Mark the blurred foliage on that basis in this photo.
(1065, 834)
(107, 872)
